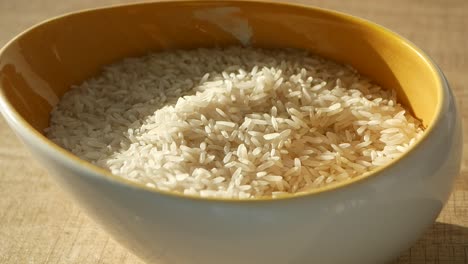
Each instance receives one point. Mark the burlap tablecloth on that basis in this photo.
(38, 224)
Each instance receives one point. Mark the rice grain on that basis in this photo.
(233, 122)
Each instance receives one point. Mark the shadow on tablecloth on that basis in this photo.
(441, 244)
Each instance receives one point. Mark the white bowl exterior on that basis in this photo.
(370, 221)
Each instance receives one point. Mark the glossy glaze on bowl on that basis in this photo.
(340, 224)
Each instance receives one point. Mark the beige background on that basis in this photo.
(38, 224)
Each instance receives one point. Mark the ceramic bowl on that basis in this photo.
(370, 219)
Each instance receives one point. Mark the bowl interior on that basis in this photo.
(39, 66)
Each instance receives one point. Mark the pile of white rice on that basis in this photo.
(233, 122)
